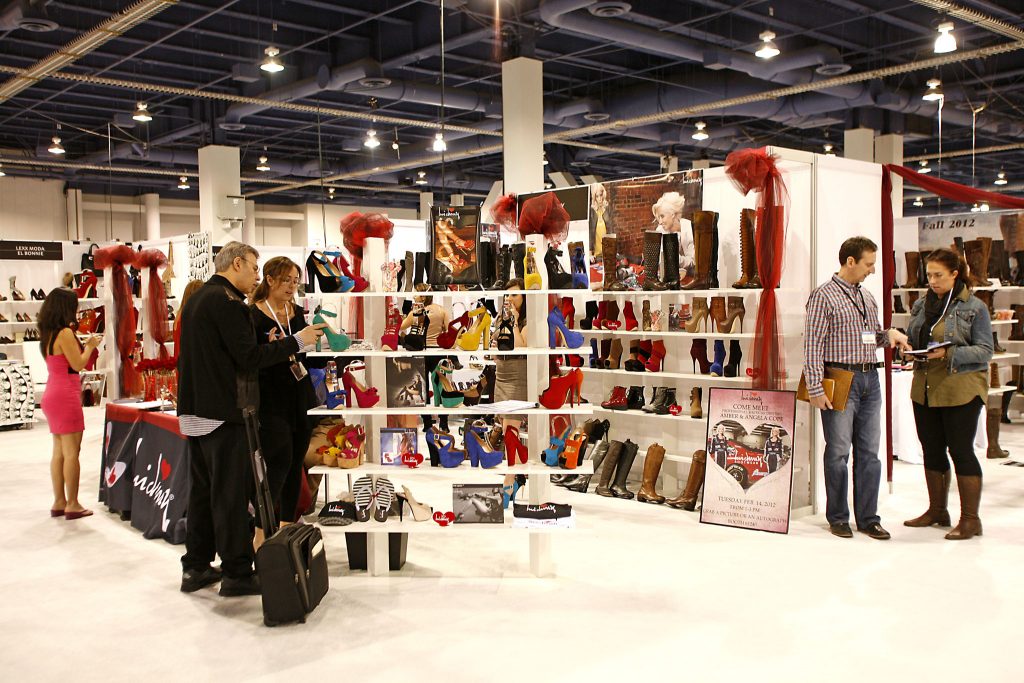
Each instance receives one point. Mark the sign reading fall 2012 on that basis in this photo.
(749, 476)
(20, 250)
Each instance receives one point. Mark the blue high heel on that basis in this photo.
(336, 399)
(595, 357)
(446, 451)
(508, 493)
(480, 452)
(579, 270)
(717, 369)
(338, 341)
(347, 283)
(556, 328)
(553, 452)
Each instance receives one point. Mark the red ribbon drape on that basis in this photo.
(157, 297)
(116, 257)
(355, 228)
(756, 169)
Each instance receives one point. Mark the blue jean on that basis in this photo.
(858, 426)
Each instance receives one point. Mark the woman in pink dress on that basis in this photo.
(62, 400)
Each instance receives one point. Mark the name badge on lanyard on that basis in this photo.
(868, 337)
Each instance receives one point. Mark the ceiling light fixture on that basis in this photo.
(263, 166)
(2, 174)
(934, 91)
(918, 202)
(421, 178)
(371, 140)
(271, 63)
(946, 42)
(828, 149)
(183, 185)
(768, 47)
(983, 207)
(1000, 178)
(544, 156)
(925, 168)
(700, 133)
(330, 193)
(55, 146)
(142, 113)
(439, 144)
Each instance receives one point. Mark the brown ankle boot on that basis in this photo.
(717, 312)
(970, 500)
(938, 496)
(687, 498)
(648, 492)
(696, 412)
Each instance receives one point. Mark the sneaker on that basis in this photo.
(841, 529)
(232, 587)
(876, 532)
(193, 580)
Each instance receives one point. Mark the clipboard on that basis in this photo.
(836, 384)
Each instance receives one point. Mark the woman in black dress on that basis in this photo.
(719, 446)
(773, 450)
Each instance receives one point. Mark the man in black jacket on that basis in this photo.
(218, 364)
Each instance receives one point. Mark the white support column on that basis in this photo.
(670, 163)
(249, 224)
(457, 200)
(889, 150)
(426, 201)
(697, 164)
(219, 176)
(859, 143)
(76, 220)
(151, 204)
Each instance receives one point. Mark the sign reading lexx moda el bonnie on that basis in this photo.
(21, 250)
(749, 476)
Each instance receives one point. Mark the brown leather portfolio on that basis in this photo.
(836, 384)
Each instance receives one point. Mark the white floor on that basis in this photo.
(643, 590)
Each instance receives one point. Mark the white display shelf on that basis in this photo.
(462, 471)
(1000, 390)
(402, 353)
(431, 410)
(664, 375)
(721, 291)
(478, 294)
(683, 417)
(393, 526)
(996, 357)
(690, 335)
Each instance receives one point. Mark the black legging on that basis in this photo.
(284, 448)
(952, 429)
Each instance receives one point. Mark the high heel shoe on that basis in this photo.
(595, 357)
(532, 279)
(447, 339)
(657, 355)
(557, 329)
(645, 316)
(355, 448)
(557, 277)
(87, 285)
(415, 338)
(320, 271)
(389, 340)
(359, 283)
(587, 323)
(716, 312)
(469, 339)
(575, 446)
(716, 369)
(338, 341)
(16, 294)
(732, 369)
(630, 317)
(448, 455)
(699, 310)
(506, 337)
(514, 446)
(602, 311)
(568, 312)
(445, 393)
(336, 399)
(578, 260)
(561, 389)
(508, 493)
(365, 397)
(610, 320)
(699, 354)
(429, 435)
(614, 355)
(420, 512)
(480, 452)
(733, 321)
(553, 453)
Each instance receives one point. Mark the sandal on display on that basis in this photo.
(336, 399)
(469, 339)
(514, 446)
(338, 341)
(321, 272)
(506, 337)
(354, 448)
(389, 340)
(362, 492)
(365, 397)
(447, 339)
(575, 447)
(359, 283)
(557, 277)
(416, 338)
(16, 294)
(448, 455)
(420, 512)
(445, 393)
(553, 453)
(87, 286)
(481, 454)
(508, 493)
(383, 498)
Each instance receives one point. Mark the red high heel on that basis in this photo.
(568, 312)
(365, 397)
(446, 339)
(657, 354)
(561, 389)
(86, 284)
(631, 323)
(602, 311)
(513, 446)
(361, 282)
(389, 340)
(699, 354)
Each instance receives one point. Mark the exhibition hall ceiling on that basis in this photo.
(624, 85)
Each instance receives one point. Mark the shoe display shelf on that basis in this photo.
(17, 395)
(536, 419)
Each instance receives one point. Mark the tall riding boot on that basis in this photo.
(687, 498)
(713, 264)
(629, 451)
(1006, 399)
(652, 261)
(985, 296)
(670, 249)
(1017, 329)
(986, 258)
(503, 268)
(421, 268)
(938, 497)
(518, 252)
(996, 346)
(922, 269)
(703, 241)
(487, 264)
(974, 253)
(748, 250)
(992, 416)
(913, 267)
(970, 500)
(999, 263)
(610, 256)
(608, 467)
(600, 452)
(648, 492)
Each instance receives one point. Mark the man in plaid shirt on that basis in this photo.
(842, 331)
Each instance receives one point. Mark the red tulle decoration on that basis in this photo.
(157, 296)
(504, 211)
(115, 258)
(544, 215)
(756, 169)
(357, 226)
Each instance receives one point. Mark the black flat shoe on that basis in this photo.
(876, 532)
(192, 580)
(231, 587)
(842, 530)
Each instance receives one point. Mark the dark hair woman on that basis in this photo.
(950, 388)
(285, 429)
(62, 399)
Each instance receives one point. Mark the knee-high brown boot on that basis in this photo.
(970, 500)
(648, 492)
(703, 243)
(913, 260)
(611, 461)
(748, 252)
(938, 498)
(687, 498)
(610, 256)
(992, 416)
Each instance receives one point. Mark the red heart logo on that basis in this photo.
(675, 409)
(444, 518)
(412, 459)
(111, 478)
(165, 469)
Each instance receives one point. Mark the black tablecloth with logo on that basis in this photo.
(146, 470)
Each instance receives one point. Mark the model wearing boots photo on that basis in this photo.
(842, 331)
(601, 223)
(950, 388)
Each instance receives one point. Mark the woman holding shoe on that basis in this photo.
(949, 389)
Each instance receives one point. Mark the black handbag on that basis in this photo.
(89, 261)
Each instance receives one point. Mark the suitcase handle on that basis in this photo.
(264, 502)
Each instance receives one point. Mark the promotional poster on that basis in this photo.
(454, 232)
(939, 231)
(749, 477)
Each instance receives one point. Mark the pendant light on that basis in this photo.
(924, 167)
(330, 193)
(263, 166)
(421, 178)
(55, 146)
(183, 184)
(700, 133)
(439, 144)
(768, 47)
(142, 113)
(270, 63)
(1000, 178)
(946, 42)
(983, 207)
(2, 174)
(371, 140)
(828, 149)
(934, 91)
(918, 202)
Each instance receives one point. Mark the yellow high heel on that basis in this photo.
(469, 337)
(532, 279)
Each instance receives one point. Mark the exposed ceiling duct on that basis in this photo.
(84, 44)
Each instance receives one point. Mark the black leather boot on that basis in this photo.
(518, 251)
(557, 277)
(713, 272)
(503, 266)
(635, 398)
(670, 249)
(587, 323)
(600, 451)
(897, 304)
(629, 451)
(421, 269)
(652, 262)
(488, 266)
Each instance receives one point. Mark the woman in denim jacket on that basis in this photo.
(950, 388)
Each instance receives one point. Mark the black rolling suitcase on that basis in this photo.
(291, 563)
